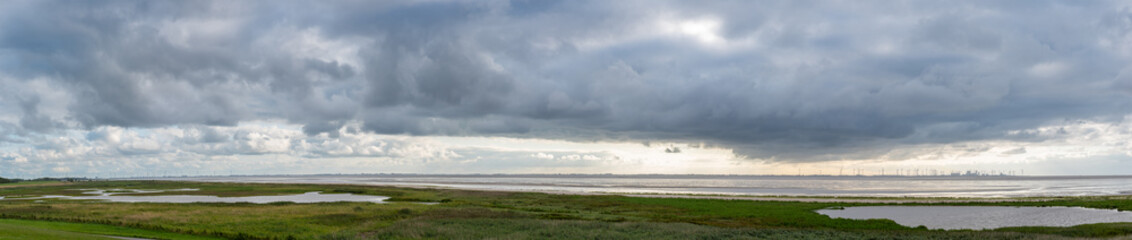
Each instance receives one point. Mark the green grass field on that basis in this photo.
(17, 231)
(464, 214)
(29, 229)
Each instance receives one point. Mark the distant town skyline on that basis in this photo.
(142, 88)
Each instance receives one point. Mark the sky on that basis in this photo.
(145, 88)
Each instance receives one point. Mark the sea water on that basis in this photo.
(880, 186)
(118, 195)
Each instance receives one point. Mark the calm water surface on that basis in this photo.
(980, 217)
(311, 197)
(119, 195)
(887, 186)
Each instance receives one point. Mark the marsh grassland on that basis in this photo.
(460, 214)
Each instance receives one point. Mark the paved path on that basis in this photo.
(126, 238)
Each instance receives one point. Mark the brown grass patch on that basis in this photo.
(47, 184)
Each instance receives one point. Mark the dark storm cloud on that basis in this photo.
(93, 52)
(32, 119)
(789, 80)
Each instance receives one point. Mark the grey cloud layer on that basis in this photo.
(788, 80)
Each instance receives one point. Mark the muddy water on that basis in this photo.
(310, 197)
(872, 186)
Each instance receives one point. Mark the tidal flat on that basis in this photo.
(123, 195)
(469, 214)
(732, 185)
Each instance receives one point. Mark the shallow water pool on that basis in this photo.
(981, 217)
(310, 197)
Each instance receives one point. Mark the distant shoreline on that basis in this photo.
(814, 189)
(773, 198)
(648, 176)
